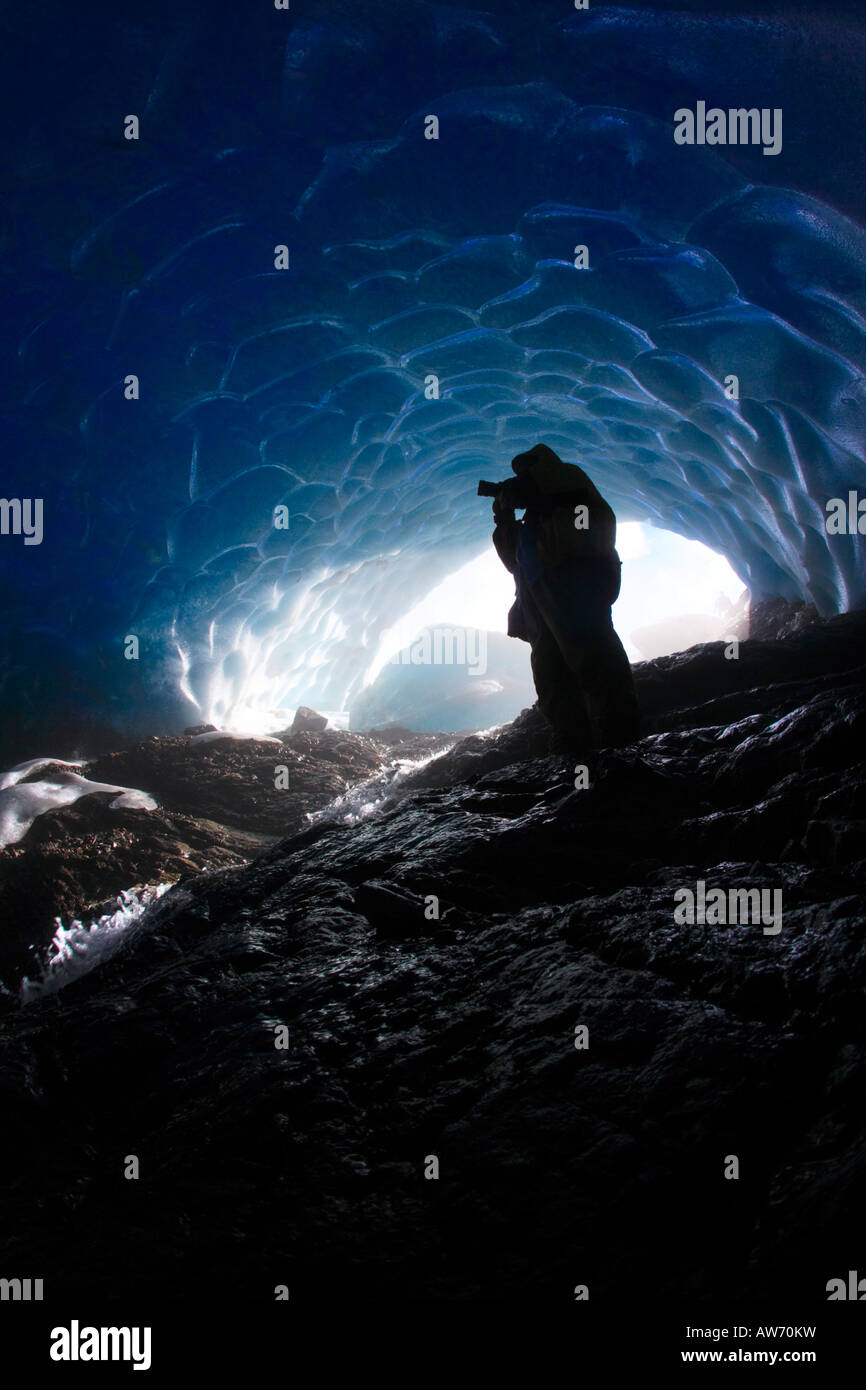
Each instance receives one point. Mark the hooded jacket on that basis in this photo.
(554, 539)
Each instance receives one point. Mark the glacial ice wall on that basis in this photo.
(432, 321)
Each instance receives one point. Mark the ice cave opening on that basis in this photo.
(675, 593)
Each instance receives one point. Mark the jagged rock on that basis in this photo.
(391, 734)
(307, 721)
(407, 746)
(527, 736)
(74, 861)
(220, 803)
(390, 911)
(778, 617)
(236, 782)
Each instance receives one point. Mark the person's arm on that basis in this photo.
(505, 535)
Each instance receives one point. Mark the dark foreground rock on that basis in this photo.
(74, 861)
(221, 801)
(432, 962)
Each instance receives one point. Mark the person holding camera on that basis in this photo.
(567, 575)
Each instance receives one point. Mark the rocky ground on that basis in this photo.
(218, 805)
(431, 962)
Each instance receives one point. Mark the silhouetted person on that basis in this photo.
(567, 574)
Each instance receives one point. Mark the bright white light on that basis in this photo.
(663, 576)
(631, 540)
(478, 595)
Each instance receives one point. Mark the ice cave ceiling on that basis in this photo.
(409, 259)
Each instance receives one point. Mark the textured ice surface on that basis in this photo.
(309, 388)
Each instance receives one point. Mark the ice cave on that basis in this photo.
(258, 355)
(327, 976)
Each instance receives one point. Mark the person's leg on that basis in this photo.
(576, 612)
(604, 671)
(560, 697)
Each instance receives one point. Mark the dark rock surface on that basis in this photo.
(218, 805)
(74, 861)
(778, 617)
(308, 721)
(232, 781)
(450, 1032)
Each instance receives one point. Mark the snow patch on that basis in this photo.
(15, 774)
(215, 734)
(21, 804)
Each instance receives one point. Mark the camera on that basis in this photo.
(512, 492)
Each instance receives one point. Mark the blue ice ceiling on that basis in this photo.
(409, 259)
